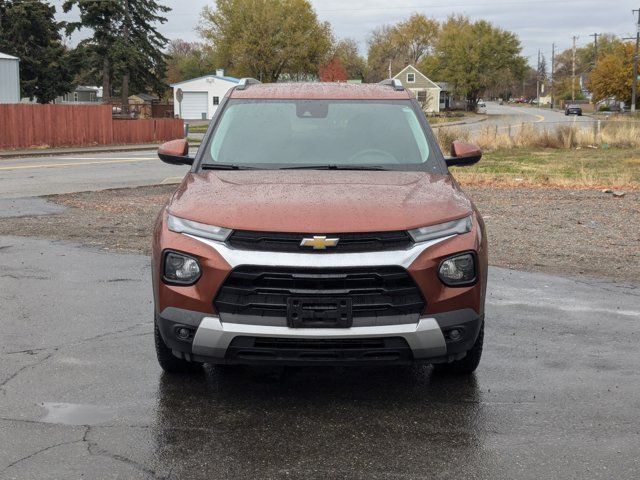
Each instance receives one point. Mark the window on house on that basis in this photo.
(216, 100)
(422, 96)
(411, 77)
(75, 96)
(92, 97)
(65, 98)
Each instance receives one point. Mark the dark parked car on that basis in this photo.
(573, 110)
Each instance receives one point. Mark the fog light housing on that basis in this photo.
(183, 333)
(458, 271)
(180, 269)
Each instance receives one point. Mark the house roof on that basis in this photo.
(4, 56)
(321, 91)
(226, 79)
(411, 67)
(82, 88)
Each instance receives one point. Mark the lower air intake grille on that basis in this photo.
(375, 292)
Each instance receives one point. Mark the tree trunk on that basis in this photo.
(106, 81)
(125, 92)
(125, 75)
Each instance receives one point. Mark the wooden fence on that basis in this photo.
(27, 125)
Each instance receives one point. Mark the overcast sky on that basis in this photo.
(538, 23)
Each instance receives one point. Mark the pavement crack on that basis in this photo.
(25, 367)
(94, 449)
(37, 452)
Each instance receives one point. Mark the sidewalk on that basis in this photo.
(466, 121)
(47, 152)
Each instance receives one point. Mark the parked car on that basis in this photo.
(481, 107)
(319, 224)
(573, 110)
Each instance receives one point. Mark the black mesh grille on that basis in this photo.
(375, 291)
(290, 242)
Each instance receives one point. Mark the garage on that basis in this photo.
(197, 96)
(194, 105)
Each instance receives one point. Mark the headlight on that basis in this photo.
(180, 225)
(462, 225)
(458, 271)
(180, 268)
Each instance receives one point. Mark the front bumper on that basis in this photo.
(213, 341)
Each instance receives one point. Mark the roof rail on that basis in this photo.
(245, 82)
(393, 82)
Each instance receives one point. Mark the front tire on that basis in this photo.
(168, 361)
(468, 364)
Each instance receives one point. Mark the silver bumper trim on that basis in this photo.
(213, 336)
(403, 258)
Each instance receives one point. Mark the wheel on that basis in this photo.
(168, 361)
(468, 364)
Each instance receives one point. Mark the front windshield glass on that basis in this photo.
(308, 133)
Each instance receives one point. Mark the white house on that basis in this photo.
(198, 98)
(9, 79)
(426, 91)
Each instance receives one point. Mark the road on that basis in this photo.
(26, 177)
(557, 393)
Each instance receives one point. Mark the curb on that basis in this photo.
(453, 124)
(77, 151)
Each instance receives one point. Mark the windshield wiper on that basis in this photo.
(334, 167)
(225, 166)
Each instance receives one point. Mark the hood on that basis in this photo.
(319, 201)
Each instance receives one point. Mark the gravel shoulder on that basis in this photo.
(559, 231)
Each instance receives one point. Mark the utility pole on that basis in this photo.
(595, 46)
(538, 81)
(573, 69)
(634, 89)
(553, 65)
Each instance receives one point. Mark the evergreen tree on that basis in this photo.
(125, 45)
(30, 32)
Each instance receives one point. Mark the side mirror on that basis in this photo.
(175, 152)
(463, 154)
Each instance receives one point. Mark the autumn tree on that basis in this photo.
(30, 32)
(188, 60)
(399, 45)
(476, 56)
(333, 71)
(266, 38)
(613, 76)
(354, 64)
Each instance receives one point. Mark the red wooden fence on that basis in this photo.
(27, 125)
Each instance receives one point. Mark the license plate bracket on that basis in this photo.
(319, 312)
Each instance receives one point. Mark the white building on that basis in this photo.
(201, 96)
(9, 79)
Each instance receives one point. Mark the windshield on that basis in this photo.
(320, 133)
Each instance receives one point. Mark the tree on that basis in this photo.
(125, 43)
(31, 33)
(347, 51)
(139, 48)
(415, 37)
(613, 75)
(266, 38)
(399, 45)
(476, 57)
(188, 60)
(333, 71)
(104, 18)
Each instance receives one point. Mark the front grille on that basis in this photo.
(375, 292)
(290, 242)
(388, 350)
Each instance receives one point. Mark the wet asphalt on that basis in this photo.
(557, 394)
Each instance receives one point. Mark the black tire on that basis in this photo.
(168, 361)
(468, 364)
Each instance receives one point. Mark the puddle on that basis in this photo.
(77, 414)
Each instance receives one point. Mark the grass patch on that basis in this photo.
(198, 128)
(575, 168)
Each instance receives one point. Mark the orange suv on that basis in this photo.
(319, 225)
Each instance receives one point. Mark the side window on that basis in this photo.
(411, 77)
(422, 96)
(216, 100)
(75, 96)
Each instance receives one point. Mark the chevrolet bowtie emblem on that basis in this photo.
(319, 242)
